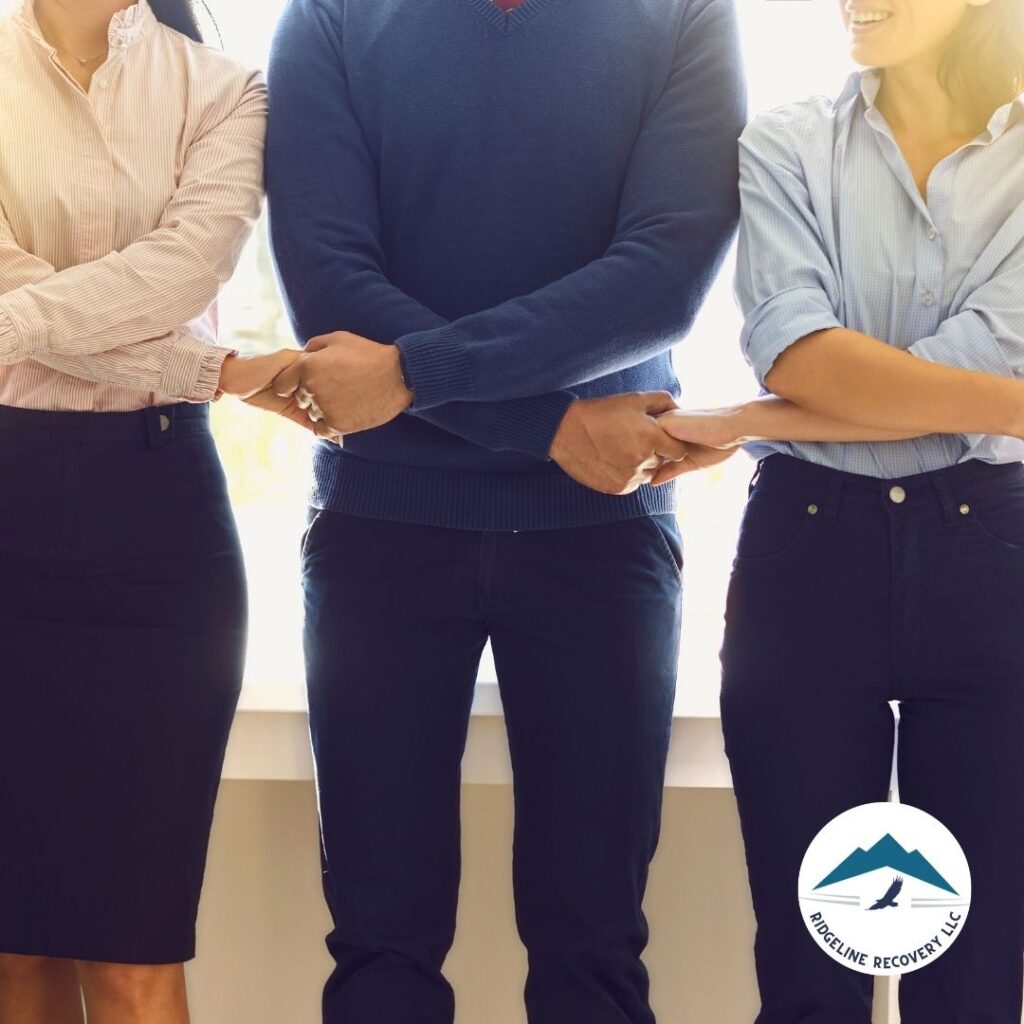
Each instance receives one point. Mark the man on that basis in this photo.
(493, 225)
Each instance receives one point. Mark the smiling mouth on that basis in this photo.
(863, 21)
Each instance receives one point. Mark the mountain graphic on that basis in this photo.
(886, 853)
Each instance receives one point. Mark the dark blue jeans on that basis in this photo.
(844, 597)
(584, 628)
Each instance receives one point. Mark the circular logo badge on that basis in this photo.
(884, 888)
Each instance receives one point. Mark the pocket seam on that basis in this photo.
(801, 530)
(666, 550)
(308, 533)
(981, 529)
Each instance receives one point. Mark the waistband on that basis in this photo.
(151, 427)
(939, 489)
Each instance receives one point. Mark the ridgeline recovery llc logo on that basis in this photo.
(884, 888)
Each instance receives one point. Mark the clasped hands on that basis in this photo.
(339, 384)
(342, 383)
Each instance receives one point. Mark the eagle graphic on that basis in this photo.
(889, 898)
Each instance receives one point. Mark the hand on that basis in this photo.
(713, 428)
(357, 383)
(614, 444)
(291, 410)
(698, 456)
(243, 376)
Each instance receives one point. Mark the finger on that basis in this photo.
(656, 402)
(671, 470)
(318, 343)
(674, 423)
(289, 380)
(670, 447)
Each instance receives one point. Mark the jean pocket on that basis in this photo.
(997, 516)
(314, 518)
(772, 527)
(665, 528)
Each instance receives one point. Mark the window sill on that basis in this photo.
(270, 741)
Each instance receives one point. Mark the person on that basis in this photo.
(881, 553)
(131, 169)
(491, 223)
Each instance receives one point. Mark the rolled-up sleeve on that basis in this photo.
(785, 283)
(986, 329)
(984, 332)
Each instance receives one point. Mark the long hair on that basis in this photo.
(179, 15)
(983, 66)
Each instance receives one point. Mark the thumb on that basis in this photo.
(288, 381)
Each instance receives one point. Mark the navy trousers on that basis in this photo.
(584, 626)
(848, 592)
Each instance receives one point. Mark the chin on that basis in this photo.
(868, 55)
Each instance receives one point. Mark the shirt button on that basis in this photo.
(932, 234)
(897, 494)
(927, 299)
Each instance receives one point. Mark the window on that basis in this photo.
(791, 50)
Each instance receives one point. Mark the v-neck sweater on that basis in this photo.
(530, 204)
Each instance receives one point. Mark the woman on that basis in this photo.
(881, 555)
(130, 177)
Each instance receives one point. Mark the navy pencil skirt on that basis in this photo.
(122, 630)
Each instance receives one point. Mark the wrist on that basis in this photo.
(227, 368)
(402, 390)
(564, 428)
(747, 423)
(1017, 411)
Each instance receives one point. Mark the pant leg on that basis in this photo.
(584, 627)
(807, 725)
(961, 753)
(393, 643)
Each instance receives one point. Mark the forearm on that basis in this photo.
(777, 419)
(171, 274)
(178, 366)
(856, 379)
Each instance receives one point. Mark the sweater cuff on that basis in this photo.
(193, 372)
(11, 349)
(529, 424)
(436, 368)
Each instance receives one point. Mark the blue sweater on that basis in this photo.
(530, 205)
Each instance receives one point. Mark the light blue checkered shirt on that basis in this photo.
(834, 233)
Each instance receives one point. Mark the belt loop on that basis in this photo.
(833, 494)
(940, 481)
(160, 422)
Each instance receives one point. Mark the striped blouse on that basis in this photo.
(122, 211)
(834, 232)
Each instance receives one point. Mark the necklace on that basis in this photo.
(84, 60)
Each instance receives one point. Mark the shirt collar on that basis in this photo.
(867, 82)
(126, 27)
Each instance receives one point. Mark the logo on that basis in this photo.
(884, 888)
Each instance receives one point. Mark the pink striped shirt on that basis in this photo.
(122, 211)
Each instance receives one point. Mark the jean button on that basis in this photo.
(897, 494)
(165, 423)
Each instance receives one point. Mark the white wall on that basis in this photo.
(261, 958)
